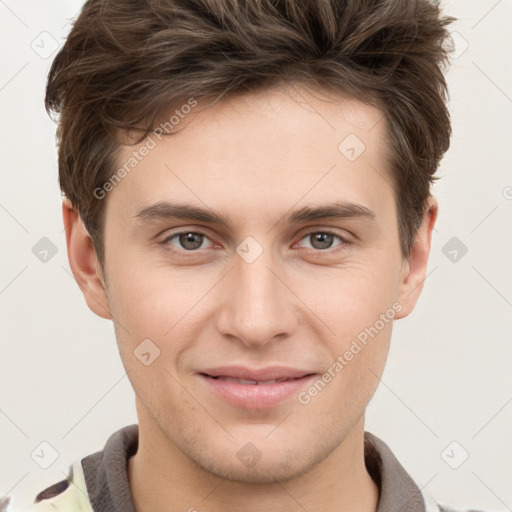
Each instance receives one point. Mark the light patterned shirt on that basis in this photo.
(99, 482)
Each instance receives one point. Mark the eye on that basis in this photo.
(322, 240)
(187, 240)
(193, 241)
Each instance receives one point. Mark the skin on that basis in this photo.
(253, 159)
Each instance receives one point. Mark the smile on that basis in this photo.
(267, 388)
(252, 382)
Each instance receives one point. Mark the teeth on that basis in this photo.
(252, 382)
(240, 381)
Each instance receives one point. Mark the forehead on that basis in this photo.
(266, 150)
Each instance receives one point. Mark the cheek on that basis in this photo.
(162, 305)
(348, 298)
(170, 305)
(155, 299)
(351, 377)
(358, 306)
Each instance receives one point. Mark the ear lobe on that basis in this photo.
(414, 270)
(84, 262)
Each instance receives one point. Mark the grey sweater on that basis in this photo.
(99, 482)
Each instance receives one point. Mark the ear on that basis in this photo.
(414, 269)
(84, 262)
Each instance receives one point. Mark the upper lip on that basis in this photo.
(259, 374)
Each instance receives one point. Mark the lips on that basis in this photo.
(261, 375)
(261, 388)
(250, 382)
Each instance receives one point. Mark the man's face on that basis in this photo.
(265, 289)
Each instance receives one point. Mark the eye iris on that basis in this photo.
(323, 239)
(191, 241)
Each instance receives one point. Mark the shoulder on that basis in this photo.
(448, 508)
(432, 506)
(66, 494)
(71, 493)
(397, 484)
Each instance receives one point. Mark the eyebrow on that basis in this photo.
(165, 210)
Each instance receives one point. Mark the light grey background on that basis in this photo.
(448, 376)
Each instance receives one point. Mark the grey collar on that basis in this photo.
(106, 475)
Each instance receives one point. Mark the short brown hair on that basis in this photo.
(125, 61)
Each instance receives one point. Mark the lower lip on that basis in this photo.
(255, 396)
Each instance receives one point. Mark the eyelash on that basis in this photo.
(344, 242)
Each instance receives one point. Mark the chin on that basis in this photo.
(261, 462)
(264, 472)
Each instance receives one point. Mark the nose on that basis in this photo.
(257, 305)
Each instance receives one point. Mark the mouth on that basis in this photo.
(250, 382)
(255, 389)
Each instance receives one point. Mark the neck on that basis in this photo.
(163, 479)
